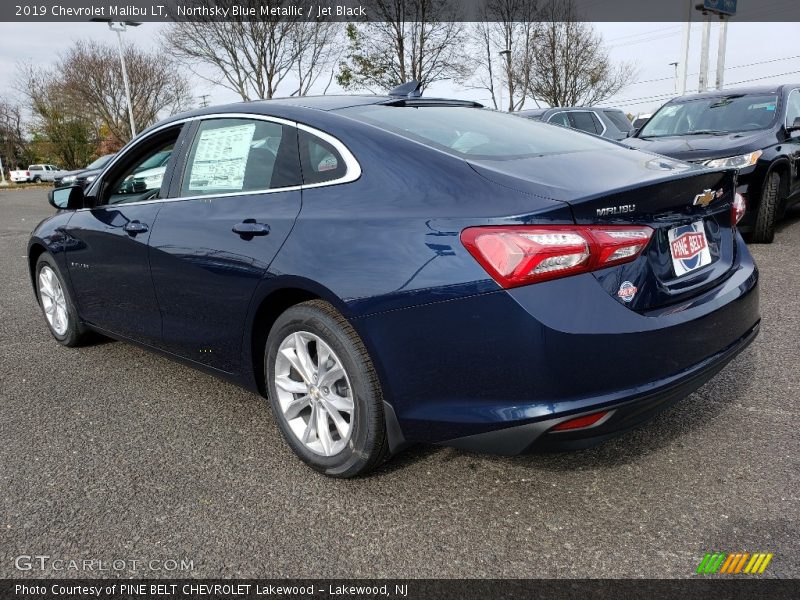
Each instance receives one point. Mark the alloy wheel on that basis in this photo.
(53, 301)
(314, 393)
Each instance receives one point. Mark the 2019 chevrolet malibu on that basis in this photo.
(391, 270)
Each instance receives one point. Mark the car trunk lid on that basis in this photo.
(688, 208)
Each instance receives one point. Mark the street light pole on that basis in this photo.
(674, 64)
(119, 27)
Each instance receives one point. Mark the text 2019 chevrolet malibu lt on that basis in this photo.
(391, 270)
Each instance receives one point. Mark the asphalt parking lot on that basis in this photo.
(111, 453)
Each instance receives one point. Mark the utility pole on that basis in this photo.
(683, 63)
(204, 100)
(703, 82)
(3, 182)
(723, 40)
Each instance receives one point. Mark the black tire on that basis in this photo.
(75, 333)
(767, 217)
(367, 447)
(37, 179)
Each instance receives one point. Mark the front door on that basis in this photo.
(237, 199)
(108, 254)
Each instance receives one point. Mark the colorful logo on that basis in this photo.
(627, 291)
(735, 563)
(688, 246)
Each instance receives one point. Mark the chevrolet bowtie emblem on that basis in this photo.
(704, 199)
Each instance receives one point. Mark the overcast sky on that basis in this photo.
(768, 52)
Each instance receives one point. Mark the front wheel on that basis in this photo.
(57, 306)
(324, 391)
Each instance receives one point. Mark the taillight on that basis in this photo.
(738, 208)
(524, 254)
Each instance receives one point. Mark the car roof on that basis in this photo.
(755, 89)
(289, 107)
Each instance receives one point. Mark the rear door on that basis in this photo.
(236, 200)
(793, 143)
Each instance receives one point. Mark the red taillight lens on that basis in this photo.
(519, 255)
(580, 422)
(738, 208)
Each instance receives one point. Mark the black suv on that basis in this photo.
(755, 130)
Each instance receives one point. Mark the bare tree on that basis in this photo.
(414, 39)
(91, 76)
(61, 131)
(319, 46)
(504, 39)
(254, 58)
(14, 146)
(568, 64)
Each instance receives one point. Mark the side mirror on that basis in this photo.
(67, 198)
(795, 126)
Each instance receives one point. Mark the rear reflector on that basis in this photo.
(519, 255)
(580, 422)
(738, 208)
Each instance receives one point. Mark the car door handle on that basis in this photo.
(249, 227)
(134, 227)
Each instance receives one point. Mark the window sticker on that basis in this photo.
(221, 158)
(764, 105)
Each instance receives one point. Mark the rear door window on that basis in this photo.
(560, 119)
(241, 155)
(586, 121)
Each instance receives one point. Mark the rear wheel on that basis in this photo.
(37, 179)
(764, 230)
(57, 306)
(324, 391)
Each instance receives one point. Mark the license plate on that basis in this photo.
(689, 248)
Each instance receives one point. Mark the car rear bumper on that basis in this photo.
(622, 416)
(494, 372)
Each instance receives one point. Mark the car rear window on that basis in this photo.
(474, 132)
(619, 120)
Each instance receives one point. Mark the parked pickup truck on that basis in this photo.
(36, 173)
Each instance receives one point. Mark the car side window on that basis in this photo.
(586, 121)
(320, 161)
(140, 172)
(561, 118)
(793, 107)
(241, 155)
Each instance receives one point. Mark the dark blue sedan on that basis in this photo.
(392, 270)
